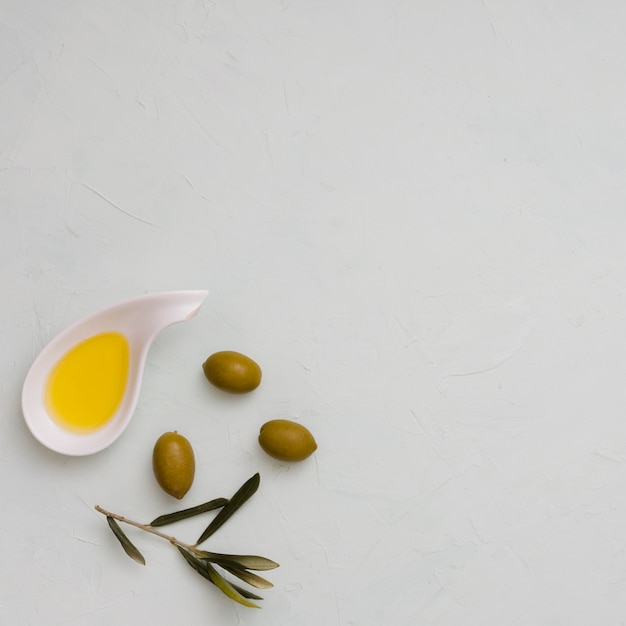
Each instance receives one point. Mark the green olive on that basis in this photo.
(286, 440)
(174, 464)
(232, 371)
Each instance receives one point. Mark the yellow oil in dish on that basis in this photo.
(87, 385)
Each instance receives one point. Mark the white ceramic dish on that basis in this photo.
(140, 320)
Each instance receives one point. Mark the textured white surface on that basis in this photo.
(412, 214)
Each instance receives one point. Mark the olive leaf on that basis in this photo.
(201, 567)
(228, 589)
(127, 544)
(197, 564)
(246, 491)
(243, 574)
(170, 518)
(247, 561)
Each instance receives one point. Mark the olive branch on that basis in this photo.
(207, 564)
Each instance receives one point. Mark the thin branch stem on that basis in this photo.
(147, 528)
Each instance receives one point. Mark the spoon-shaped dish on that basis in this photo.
(139, 320)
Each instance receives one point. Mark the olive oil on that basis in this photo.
(86, 386)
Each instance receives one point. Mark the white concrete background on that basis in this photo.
(412, 214)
